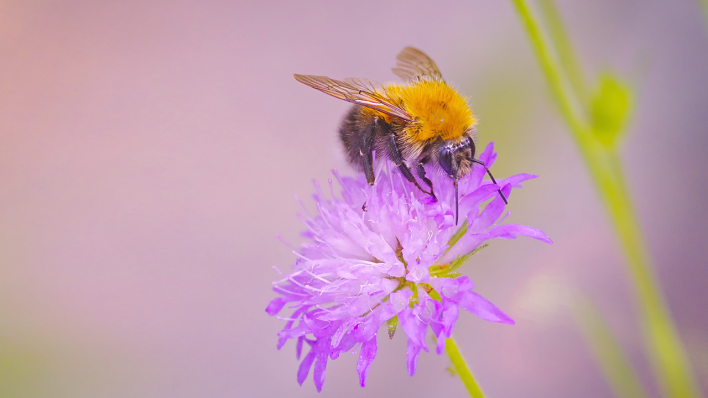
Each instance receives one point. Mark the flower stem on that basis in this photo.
(462, 370)
(552, 72)
(568, 62)
(661, 338)
(704, 5)
(607, 351)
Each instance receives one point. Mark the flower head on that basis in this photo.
(387, 254)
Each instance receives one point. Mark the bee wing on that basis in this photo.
(412, 63)
(358, 91)
(366, 84)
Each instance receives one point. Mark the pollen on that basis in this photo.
(438, 110)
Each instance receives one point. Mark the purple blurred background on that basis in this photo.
(151, 149)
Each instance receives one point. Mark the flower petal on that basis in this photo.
(366, 357)
(282, 339)
(323, 347)
(484, 309)
(488, 156)
(470, 202)
(412, 352)
(275, 305)
(340, 332)
(466, 244)
(414, 328)
(516, 180)
(449, 316)
(348, 342)
(490, 214)
(290, 333)
(306, 364)
(396, 303)
(450, 288)
(510, 231)
(298, 347)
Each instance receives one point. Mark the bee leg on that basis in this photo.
(421, 174)
(395, 154)
(366, 150)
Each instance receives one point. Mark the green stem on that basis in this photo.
(566, 55)
(660, 335)
(607, 351)
(462, 370)
(704, 4)
(552, 72)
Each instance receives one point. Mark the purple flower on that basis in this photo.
(393, 263)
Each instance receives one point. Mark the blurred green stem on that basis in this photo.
(566, 55)
(462, 370)
(704, 4)
(607, 351)
(661, 337)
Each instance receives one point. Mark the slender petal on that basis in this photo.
(414, 328)
(512, 230)
(481, 307)
(276, 305)
(412, 355)
(305, 365)
(323, 347)
(366, 357)
(491, 213)
(298, 347)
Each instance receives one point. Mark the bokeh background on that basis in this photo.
(150, 152)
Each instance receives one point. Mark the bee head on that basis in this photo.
(454, 156)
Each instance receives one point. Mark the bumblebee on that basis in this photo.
(422, 121)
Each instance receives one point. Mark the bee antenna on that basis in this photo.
(457, 213)
(490, 176)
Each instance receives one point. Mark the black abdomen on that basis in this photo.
(353, 133)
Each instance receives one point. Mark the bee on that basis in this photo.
(419, 122)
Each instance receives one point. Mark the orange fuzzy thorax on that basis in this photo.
(438, 110)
